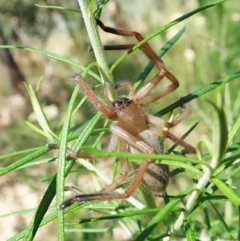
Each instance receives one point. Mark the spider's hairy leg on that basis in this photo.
(188, 149)
(124, 166)
(110, 195)
(142, 169)
(186, 111)
(126, 85)
(92, 97)
(70, 152)
(146, 48)
(106, 192)
(113, 143)
(152, 83)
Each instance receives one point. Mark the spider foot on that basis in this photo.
(52, 146)
(182, 103)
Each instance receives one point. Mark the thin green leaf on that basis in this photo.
(232, 174)
(61, 163)
(233, 131)
(87, 230)
(53, 56)
(119, 215)
(23, 161)
(57, 7)
(35, 128)
(133, 157)
(100, 5)
(188, 231)
(157, 219)
(221, 219)
(17, 153)
(208, 223)
(227, 191)
(40, 114)
(220, 134)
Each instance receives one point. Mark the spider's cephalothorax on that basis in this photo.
(129, 115)
(132, 129)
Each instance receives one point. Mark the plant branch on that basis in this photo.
(95, 40)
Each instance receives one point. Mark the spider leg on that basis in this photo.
(131, 139)
(73, 189)
(107, 190)
(112, 147)
(70, 152)
(188, 149)
(92, 97)
(142, 169)
(126, 85)
(110, 195)
(161, 122)
(126, 33)
(153, 57)
(124, 174)
(118, 47)
(113, 143)
(152, 83)
(122, 85)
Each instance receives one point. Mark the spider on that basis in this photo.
(130, 126)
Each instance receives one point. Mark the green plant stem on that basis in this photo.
(192, 200)
(95, 40)
(218, 149)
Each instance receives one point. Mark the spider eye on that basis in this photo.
(122, 102)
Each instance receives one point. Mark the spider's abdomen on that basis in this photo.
(156, 178)
(157, 175)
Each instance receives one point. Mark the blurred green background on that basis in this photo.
(208, 50)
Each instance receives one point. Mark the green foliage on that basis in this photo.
(212, 178)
